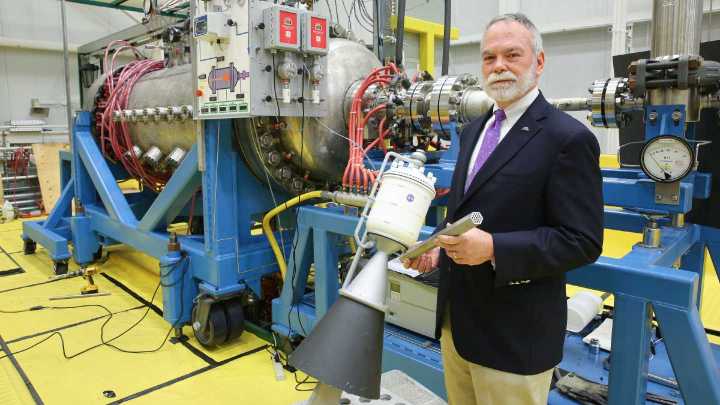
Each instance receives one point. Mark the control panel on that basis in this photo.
(258, 58)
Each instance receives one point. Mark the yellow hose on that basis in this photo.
(272, 214)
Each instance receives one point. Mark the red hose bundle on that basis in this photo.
(115, 138)
(356, 175)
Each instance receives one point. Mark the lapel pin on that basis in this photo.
(526, 129)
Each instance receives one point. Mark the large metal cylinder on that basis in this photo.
(322, 144)
(267, 147)
(676, 30)
(676, 27)
(163, 88)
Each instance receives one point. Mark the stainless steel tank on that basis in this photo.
(271, 150)
(324, 148)
(163, 88)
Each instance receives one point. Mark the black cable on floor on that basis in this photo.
(109, 315)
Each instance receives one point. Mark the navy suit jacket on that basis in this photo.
(540, 193)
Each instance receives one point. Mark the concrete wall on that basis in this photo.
(34, 73)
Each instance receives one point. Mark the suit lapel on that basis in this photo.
(524, 130)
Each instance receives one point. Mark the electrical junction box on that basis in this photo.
(411, 304)
(282, 28)
(248, 61)
(316, 35)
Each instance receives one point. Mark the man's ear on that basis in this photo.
(540, 62)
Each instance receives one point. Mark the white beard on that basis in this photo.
(510, 91)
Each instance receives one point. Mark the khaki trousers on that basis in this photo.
(472, 384)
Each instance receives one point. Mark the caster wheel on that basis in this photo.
(60, 268)
(197, 227)
(98, 254)
(29, 246)
(216, 331)
(235, 318)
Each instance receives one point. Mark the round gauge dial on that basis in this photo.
(667, 158)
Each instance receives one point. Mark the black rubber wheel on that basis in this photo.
(98, 254)
(29, 246)
(235, 318)
(60, 268)
(197, 228)
(216, 331)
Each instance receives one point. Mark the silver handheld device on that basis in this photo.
(461, 226)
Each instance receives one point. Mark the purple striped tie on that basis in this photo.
(490, 141)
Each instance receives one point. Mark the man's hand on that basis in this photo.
(425, 262)
(471, 248)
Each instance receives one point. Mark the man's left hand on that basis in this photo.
(471, 248)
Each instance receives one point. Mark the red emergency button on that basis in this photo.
(199, 93)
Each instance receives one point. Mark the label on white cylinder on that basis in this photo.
(286, 95)
(400, 207)
(316, 96)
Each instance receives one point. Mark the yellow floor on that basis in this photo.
(188, 378)
(248, 379)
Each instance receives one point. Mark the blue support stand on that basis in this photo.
(226, 260)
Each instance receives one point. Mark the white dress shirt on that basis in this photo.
(512, 115)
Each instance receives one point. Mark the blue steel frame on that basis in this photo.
(665, 281)
(222, 262)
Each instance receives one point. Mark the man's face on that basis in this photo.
(510, 66)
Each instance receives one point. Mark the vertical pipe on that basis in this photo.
(676, 27)
(611, 143)
(379, 19)
(66, 58)
(676, 30)
(446, 40)
(400, 32)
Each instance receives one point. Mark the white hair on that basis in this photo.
(525, 22)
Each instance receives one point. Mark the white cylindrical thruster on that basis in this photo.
(401, 204)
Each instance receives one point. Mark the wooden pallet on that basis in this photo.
(47, 161)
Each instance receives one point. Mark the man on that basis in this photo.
(533, 172)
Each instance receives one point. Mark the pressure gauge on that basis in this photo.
(667, 158)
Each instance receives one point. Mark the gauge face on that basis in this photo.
(667, 158)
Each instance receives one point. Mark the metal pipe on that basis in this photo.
(9, 178)
(378, 28)
(14, 197)
(66, 59)
(24, 202)
(446, 39)
(676, 30)
(678, 220)
(676, 27)
(16, 189)
(400, 32)
(13, 148)
(571, 103)
(345, 198)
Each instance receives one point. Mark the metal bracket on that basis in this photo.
(667, 193)
(203, 313)
(640, 77)
(683, 72)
